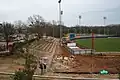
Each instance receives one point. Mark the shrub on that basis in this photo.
(29, 68)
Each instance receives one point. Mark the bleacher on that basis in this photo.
(45, 45)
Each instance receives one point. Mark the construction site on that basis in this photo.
(63, 62)
(59, 40)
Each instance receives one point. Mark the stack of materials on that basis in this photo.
(73, 49)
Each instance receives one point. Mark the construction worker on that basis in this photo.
(45, 67)
(41, 66)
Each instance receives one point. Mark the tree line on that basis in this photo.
(107, 30)
(37, 24)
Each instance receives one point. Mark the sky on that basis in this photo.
(91, 11)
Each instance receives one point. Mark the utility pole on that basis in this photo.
(53, 22)
(108, 30)
(53, 31)
(104, 23)
(99, 31)
(116, 31)
(60, 14)
(80, 22)
(75, 31)
(68, 31)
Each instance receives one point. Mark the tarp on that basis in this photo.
(71, 44)
(74, 47)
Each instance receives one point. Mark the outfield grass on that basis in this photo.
(102, 44)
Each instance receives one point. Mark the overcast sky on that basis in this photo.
(92, 11)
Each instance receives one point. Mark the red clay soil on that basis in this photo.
(82, 63)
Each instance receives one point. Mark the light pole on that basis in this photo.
(104, 23)
(80, 22)
(53, 31)
(75, 30)
(99, 31)
(68, 31)
(60, 13)
(53, 27)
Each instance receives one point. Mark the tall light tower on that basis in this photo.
(80, 22)
(104, 18)
(60, 14)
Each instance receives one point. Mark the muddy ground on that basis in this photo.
(65, 62)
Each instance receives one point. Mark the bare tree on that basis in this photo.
(35, 19)
(53, 26)
(38, 24)
(7, 29)
(19, 25)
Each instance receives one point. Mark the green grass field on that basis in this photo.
(102, 44)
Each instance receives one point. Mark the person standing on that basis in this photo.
(45, 67)
(41, 66)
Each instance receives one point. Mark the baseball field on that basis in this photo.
(101, 44)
